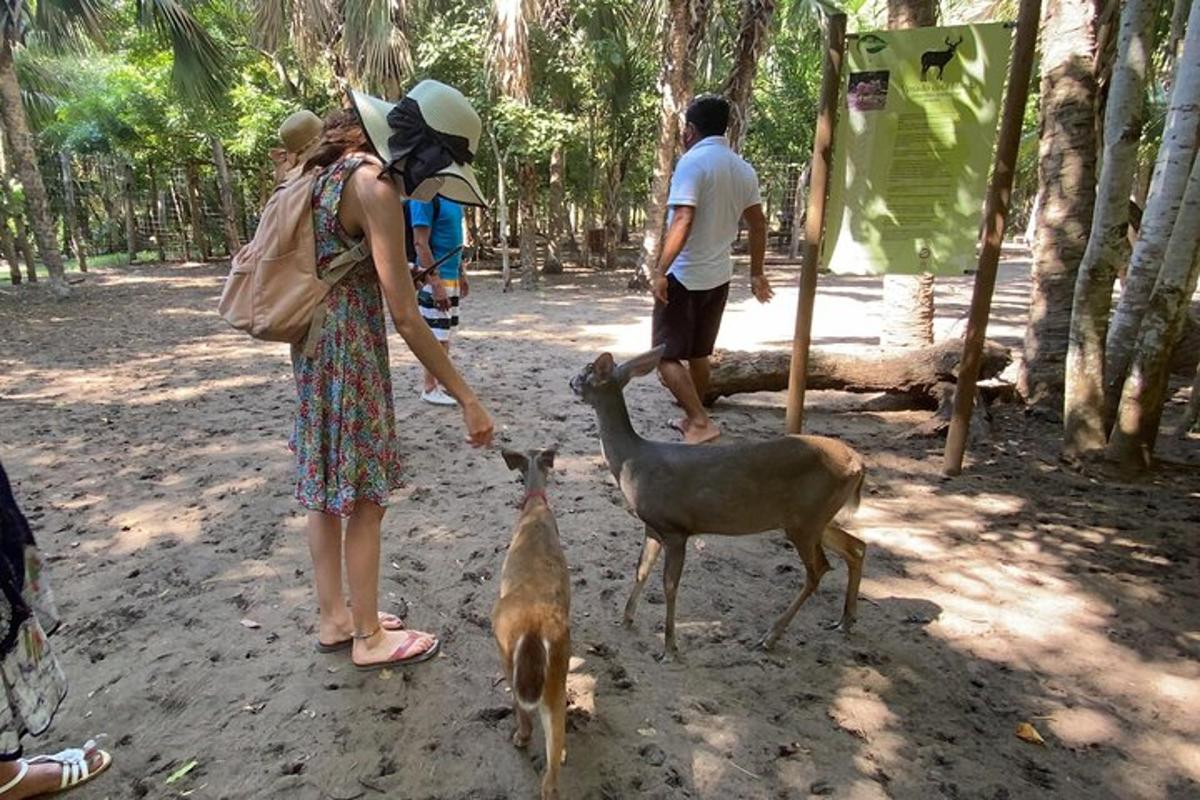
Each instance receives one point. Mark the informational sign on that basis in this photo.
(913, 148)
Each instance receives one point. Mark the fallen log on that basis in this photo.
(917, 373)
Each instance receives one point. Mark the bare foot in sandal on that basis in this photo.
(42, 775)
(385, 648)
(337, 634)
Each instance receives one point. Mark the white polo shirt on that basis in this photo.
(720, 185)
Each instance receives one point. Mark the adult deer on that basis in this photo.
(797, 483)
(939, 58)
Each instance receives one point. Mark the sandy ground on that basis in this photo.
(148, 445)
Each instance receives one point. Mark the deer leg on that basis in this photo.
(524, 722)
(673, 568)
(854, 551)
(650, 550)
(554, 727)
(815, 565)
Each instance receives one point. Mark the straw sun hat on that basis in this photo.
(301, 132)
(431, 133)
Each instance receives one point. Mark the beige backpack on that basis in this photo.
(273, 291)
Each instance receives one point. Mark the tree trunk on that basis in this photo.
(917, 373)
(159, 216)
(527, 185)
(196, 211)
(686, 23)
(556, 229)
(127, 191)
(1067, 177)
(179, 218)
(1174, 48)
(225, 186)
(10, 253)
(911, 14)
(907, 311)
(753, 35)
(26, 247)
(1171, 170)
(1145, 389)
(24, 160)
(71, 211)
(1108, 244)
(908, 299)
(502, 218)
(799, 210)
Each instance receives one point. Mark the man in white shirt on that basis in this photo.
(712, 190)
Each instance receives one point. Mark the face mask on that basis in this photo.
(427, 189)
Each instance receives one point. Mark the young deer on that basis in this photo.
(797, 483)
(531, 619)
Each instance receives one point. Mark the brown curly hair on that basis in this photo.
(342, 134)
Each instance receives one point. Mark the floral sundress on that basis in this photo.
(345, 431)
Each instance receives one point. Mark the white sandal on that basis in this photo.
(74, 763)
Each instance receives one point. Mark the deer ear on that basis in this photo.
(641, 365)
(545, 459)
(515, 460)
(603, 367)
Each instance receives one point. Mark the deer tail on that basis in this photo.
(850, 507)
(530, 659)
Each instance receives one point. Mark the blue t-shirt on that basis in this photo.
(445, 232)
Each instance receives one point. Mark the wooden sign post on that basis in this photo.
(995, 216)
(814, 225)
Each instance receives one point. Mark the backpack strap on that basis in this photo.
(341, 266)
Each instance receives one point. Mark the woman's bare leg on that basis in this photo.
(362, 574)
(325, 546)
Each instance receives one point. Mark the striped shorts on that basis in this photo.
(440, 322)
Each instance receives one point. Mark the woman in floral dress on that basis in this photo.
(33, 683)
(348, 454)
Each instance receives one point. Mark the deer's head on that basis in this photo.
(953, 45)
(534, 465)
(605, 376)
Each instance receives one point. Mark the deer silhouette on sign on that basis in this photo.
(939, 58)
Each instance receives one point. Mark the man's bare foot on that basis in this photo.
(384, 648)
(699, 434)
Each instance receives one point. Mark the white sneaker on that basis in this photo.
(438, 397)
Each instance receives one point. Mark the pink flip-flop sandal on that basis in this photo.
(401, 655)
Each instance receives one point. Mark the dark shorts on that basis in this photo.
(689, 322)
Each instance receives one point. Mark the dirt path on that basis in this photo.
(148, 444)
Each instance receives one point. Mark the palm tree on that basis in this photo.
(198, 74)
(1108, 244)
(512, 72)
(753, 34)
(1067, 180)
(908, 299)
(685, 25)
(364, 42)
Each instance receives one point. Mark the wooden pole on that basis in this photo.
(814, 224)
(995, 215)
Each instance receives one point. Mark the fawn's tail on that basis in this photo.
(851, 506)
(530, 659)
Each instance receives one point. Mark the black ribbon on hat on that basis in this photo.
(424, 151)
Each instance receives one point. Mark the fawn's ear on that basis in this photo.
(603, 367)
(515, 460)
(545, 459)
(641, 365)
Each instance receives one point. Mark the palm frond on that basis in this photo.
(376, 43)
(64, 24)
(201, 69)
(270, 24)
(316, 25)
(509, 60)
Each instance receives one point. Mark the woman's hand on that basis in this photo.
(464, 288)
(479, 423)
